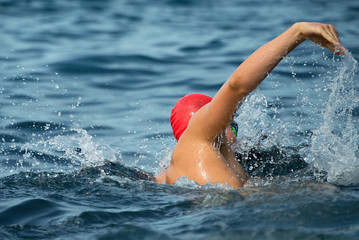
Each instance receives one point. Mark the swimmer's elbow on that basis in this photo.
(241, 85)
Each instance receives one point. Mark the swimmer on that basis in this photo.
(204, 127)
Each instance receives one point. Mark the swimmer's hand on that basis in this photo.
(322, 34)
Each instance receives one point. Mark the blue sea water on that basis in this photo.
(86, 92)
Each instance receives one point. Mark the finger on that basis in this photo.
(340, 51)
(330, 36)
(337, 49)
(330, 46)
(334, 32)
(333, 43)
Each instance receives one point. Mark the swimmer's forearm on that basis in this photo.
(255, 69)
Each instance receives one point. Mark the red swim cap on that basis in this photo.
(184, 110)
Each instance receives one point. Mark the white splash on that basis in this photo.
(334, 145)
(256, 128)
(79, 148)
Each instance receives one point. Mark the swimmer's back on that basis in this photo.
(199, 161)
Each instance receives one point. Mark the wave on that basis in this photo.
(31, 212)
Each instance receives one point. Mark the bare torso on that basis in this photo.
(200, 161)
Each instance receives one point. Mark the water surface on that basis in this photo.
(87, 90)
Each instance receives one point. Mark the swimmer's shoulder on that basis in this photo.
(185, 159)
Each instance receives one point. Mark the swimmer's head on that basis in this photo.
(184, 109)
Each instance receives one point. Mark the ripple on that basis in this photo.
(75, 67)
(35, 126)
(212, 45)
(32, 211)
(132, 232)
(123, 16)
(10, 138)
(22, 97)
(21, 79)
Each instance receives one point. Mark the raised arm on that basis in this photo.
(216, 116)
(254, 70)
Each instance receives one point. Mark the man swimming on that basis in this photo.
(204, 127)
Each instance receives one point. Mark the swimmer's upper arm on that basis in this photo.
(211, 120)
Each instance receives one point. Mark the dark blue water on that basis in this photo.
(86, 92)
